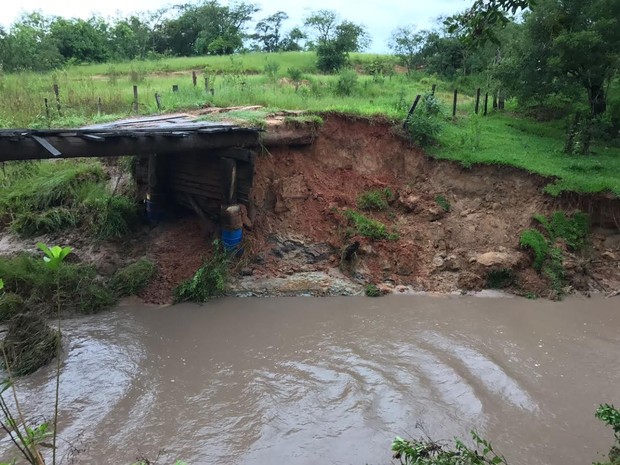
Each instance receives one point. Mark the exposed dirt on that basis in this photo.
(299, 227)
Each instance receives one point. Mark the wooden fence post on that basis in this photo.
(206, 84)
(135, 99)
(456, 93)
(99, 108)
(433, 89)
(57, 93)
(158, 101)
(194, 78)
(411, 110)
(47, 111)
(175, 88)
(477, 100)
(486, 103)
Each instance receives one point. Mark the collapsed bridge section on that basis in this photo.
(201, 165)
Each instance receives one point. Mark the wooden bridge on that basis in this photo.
(201, 165)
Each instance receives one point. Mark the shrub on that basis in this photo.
(294, 74)
(534, 240)
(374, 199)
(133, 278)
(346, 83)
(367, 227)
(371, 290)
(271, 69)
(211, 279)
(573, 231)
(424, 129)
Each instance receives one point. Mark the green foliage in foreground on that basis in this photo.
(426, 452)
(368, 227)
(50, 196)
(79, 291)
(211, 279)
(133, 278)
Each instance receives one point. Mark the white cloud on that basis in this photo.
(380, 17)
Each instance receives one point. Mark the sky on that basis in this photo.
(380, 17)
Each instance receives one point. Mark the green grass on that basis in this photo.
(532, 146)
(374, 200)
(209, 281)
(49, 196)
(367, 227)
(28, 277)
(133, 278)
(501, 139)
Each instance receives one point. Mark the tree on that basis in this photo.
(406, 44)
(477, 25)
(566, 44)
(269, 32)
(335, 40)
(290, 43)
(130, 38)
(80, 40)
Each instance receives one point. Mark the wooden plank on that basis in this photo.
(47, 146)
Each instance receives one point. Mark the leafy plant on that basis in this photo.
(609, 415)
(573, 231)
(346, 83)
(427, 452)
(211, 279)
(54, 256)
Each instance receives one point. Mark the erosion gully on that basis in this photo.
(333, 380)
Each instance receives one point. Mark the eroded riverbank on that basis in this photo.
(305, 381)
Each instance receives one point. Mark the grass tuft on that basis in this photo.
(209, 281)
(133, 278)
(368, 227)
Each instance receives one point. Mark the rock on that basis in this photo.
(434, 213)
(500, 259)
(609, 255)
(470, 282)
(404, 268)
(386, 266)
(247, 272)
(452, 263)
(612, 242)
(366, 250)
(438, 262)
(409, 202)
(294, 187)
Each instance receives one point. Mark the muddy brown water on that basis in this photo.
(333, 380)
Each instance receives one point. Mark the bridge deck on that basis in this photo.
(163, 134)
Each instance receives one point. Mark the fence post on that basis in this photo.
(194, 78)
(433, 89)
(456, 93)
(486, 103)
(57, 93)
(47, 111)
(411, 110)
(175, 88)
(135, 99)
(158, 101)
(477, 100)
(206, 84)
(99, 106)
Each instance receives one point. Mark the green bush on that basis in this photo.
(133, 278)
(371, 290)
(374, 199)
(211, 279)
(573, 231)
(534, 240)
(368, 227)
(34, 223)
(424, 129)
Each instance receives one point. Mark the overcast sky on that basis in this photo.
(379, 16)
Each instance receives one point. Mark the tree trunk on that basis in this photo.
(598, 102)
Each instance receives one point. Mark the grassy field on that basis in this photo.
(500, 138)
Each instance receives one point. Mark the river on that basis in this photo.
(333, 380)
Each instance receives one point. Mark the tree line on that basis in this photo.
(38, 43)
